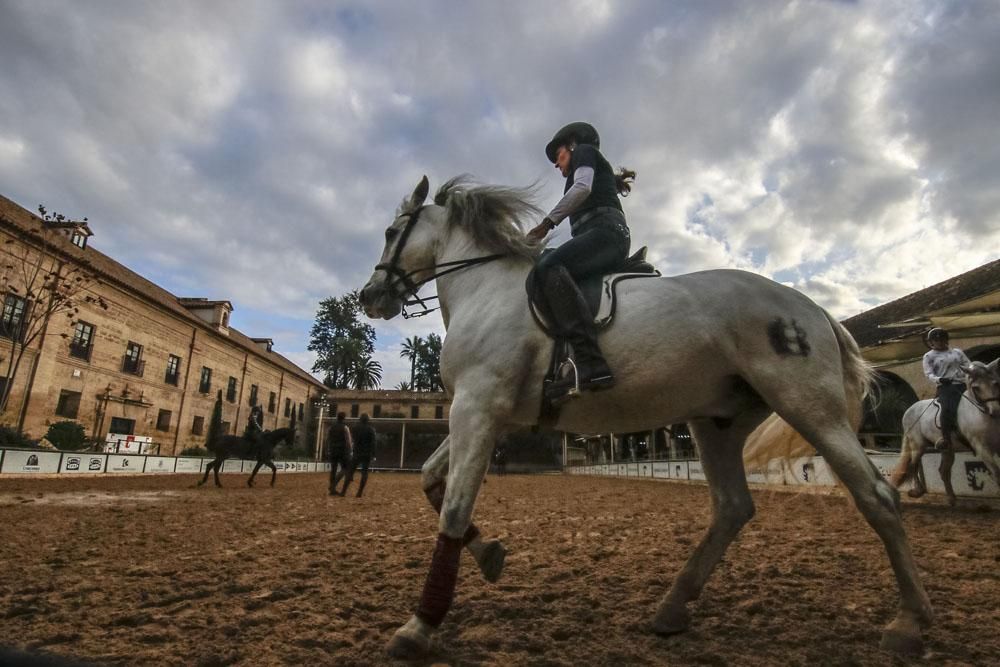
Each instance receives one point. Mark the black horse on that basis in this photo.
(233, 446)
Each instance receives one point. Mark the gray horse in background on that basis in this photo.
(978, 427)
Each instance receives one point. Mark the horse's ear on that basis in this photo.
(994, 365)
(420, 193)
(966, 369)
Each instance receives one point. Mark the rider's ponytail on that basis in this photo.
(623, 181)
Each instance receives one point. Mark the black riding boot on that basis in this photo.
(575, 323)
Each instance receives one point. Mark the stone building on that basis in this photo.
(148, 364)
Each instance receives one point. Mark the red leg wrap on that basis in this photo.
(439, 589)
(435, 494)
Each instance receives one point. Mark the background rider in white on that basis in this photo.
(943, 366)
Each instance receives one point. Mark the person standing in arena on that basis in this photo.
(364, 451)
(338, 446)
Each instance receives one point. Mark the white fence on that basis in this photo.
(969, 477)
(35, 461)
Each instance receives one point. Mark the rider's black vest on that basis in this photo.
(603, 192)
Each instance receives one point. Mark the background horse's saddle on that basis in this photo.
(599, 290)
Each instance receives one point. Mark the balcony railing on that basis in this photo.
(80, 350)
(133, 366)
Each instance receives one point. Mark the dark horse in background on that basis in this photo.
(234, 446)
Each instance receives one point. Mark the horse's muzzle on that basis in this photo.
(378, 301)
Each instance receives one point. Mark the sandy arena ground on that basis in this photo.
(151, 571)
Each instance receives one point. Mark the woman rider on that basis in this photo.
(599, 244)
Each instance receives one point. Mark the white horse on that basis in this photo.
(718, 349)
(978, 425)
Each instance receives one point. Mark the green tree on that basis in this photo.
(411, 350)
(215, 425)
(367, 374)
(340, 340)
(404, 386)
(429, 364)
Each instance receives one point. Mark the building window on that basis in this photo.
(225, 427)
(231, 390)
(173, 370)
(302, 411)
(69, 404)
(376, 410)
(163, 420)
(272, 399)
(438, 412)
(122, 426)
(253, 395)
(354, 410)
(198, 425)
(79, 240)
(12, 323)
(288, 407)
(414, 411)
(132, 361)
(83, 341)
(205, 384)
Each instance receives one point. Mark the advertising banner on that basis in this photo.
(21, 462)
(188, 465)
(808, 470)
(83, 463)
(124, 463)
(678, 470)
(695, 471)
(661, 469)
(645, 470)
(969, 476)
(233, 465)
(159, 464)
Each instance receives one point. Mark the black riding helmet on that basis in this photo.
(581, 133)
(937, 333)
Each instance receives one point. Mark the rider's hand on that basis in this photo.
(539, 232)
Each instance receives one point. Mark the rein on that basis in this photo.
(411, 287)
(979, 403)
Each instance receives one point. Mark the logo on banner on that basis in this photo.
(808, 469)
(124, 463)
(73, 463)
(977, 474)
(95, 464)
(32, 461)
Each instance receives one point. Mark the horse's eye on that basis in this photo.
(390, 234)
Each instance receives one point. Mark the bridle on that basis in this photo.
(411, 287)
(979, 403)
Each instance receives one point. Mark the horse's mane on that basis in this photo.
(493, 214)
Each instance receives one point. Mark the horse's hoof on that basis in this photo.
(492, 561)
(915, 493)
(902, 641)
(952, 501)
(671, 620)
(408, 644)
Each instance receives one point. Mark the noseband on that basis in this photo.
(411, 287)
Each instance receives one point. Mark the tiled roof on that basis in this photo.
(26, 223)
(865, 327)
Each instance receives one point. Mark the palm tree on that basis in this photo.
(411, 350)
(403, 386)
(367, 374)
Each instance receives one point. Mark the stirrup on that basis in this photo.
(565, 387)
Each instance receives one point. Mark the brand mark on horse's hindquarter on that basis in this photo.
(788, 337)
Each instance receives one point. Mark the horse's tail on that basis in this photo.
(859, 377)
(776, 439)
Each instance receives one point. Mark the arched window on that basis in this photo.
(881, 428)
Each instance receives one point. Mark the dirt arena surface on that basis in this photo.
(151, 571)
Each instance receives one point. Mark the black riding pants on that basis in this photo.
(949, 396)
(598, 246)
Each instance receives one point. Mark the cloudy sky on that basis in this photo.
(254, 151)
